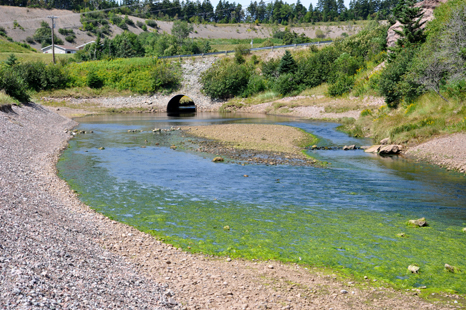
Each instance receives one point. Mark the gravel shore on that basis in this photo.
(56, 253)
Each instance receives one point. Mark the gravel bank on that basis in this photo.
(56, 253)
(448, 152)
(49, 257)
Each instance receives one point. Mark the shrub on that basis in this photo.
(151, 23)
(29, 40)
(242, 50)
(287, 63)
(270, 68)
(225, 79)
(286, 84)
(342, 85)
(165, 79)
(93, 80)
(267, 43)
(128, 21)
(256, 84)
(2, 31)
(139, 24)
(123, 25)
(144, 27)
(69, 39)
(320, 34)
(14, 85)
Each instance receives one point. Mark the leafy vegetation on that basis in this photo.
(43, 35)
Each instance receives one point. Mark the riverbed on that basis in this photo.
(347, 216)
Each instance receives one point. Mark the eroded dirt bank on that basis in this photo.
(57, 253)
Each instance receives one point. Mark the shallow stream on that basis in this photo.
(346, 216)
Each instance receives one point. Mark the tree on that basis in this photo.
(181, 30)
(11, 61)
(287, 63)
(410, 17)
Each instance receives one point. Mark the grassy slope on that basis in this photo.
(10, 47)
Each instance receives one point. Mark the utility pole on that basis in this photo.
(53, 34)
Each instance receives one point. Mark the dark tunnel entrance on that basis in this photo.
(181, 105)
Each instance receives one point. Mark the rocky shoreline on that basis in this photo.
(56, 253)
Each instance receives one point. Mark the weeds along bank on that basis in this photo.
(138, 75)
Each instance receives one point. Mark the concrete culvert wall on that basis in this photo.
(181, 104)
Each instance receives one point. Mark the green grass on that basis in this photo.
(7, 100)
(28, 57)
(428, 116)
(11, 47)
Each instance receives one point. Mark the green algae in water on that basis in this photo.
(354, 240)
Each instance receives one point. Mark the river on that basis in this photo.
(347, 216)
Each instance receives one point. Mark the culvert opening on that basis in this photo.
(181, 105)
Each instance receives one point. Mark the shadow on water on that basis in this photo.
(346, 216)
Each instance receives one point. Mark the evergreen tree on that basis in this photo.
(410, 17)
(287, 63)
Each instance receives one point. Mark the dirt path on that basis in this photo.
(53, 239)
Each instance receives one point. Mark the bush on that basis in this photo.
(139, 24)
(2, 31)
(286, 84)
(151, 23)
(287, 64)
(270, 68)
(320, 34)
(29, 40)
(225, 79)
(123, 25)
(144, 27)
(256, 84)
(391, 79)
(69, 39)
(93, 80)
(343, 84)
(14, 85)
(165, 79)
(267, 43)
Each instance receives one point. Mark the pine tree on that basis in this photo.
(410, 18)
(287, 63)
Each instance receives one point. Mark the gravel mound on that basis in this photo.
(49, 257)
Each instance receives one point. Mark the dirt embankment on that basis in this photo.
(57, 253)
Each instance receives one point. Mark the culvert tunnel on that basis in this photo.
(181, 104)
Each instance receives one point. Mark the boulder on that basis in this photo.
(101, 148)
(226, 227)
(428, 7)
(218, 159)
(173, 147)
(384, 141)
(413, 269)
(373, 149)
(419, 222)
(349, 147)
(392, 149)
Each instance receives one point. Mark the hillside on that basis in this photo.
(11, 47)
(30, 18)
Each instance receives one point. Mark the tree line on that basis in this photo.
(273, 12)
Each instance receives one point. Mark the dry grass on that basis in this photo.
(84, 92)
(27, 57)
(6, 100)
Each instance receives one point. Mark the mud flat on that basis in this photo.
(57, 253)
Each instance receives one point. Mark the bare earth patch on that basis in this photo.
(274, 138)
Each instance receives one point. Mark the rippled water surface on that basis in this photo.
(346, 216)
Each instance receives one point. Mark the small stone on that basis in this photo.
(450, 268)
(344, 291)
(419, 222)
(173, 147)
(168, 262)
(270, 266)
(226, 227)
(218, 159)
(365, 277)
(349, 147)
(101, 148)
(402, 235)
(464, 229)
(246, 176)
(413, 269)
(228, 259)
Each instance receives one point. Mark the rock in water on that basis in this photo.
(419, 222)
(413, 268)
(349, 147)
(464, 229)
(450, 268)
(373, 149)
(101, 148)
(390, 150)
(218, 159)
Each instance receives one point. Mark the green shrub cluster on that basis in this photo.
(42, 35)
(19, 79)
(336, 65)
(140, 75)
